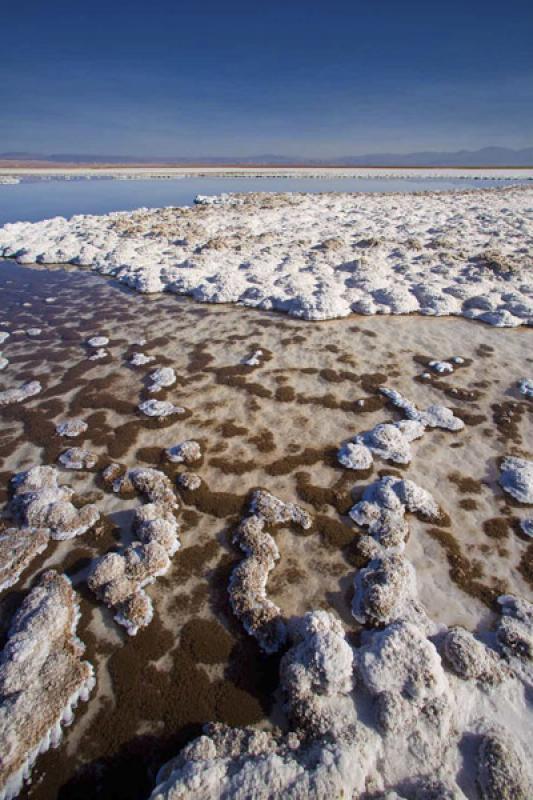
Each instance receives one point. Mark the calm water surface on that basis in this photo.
(35, 200)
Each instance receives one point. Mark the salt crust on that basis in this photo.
(3, 362)
(118, 579)
(516, 478)
(40, 502)
(97, 341)
(71, 428)
(140, 359)
(78, 458)
(434, 416)
(162, 378)
(159, 408)
(42, 678)
(420, 687)
(187, 452)
(526, 388)
(316, 256)
(248, 582)
(9, 396)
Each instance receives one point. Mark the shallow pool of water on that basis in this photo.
(34, 200)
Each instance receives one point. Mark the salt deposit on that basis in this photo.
(40, 502)
(285, 242)
(384, 505)
(42, 678)
(516, 478)
(159, 408)
(98, 354)
(248, 583)
(9, 396)
(119, 579)
(4, 335)
(526, 388)
(78, 458)
(140, 359)
(3, 362)
(188, 452)
(98, 341)
(435, 416)
(161, 379)
(18, 548)
(71, 428)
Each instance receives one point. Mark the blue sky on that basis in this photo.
(307, 78)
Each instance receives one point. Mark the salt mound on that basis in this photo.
(140, 359)
(18, 548)
(526, 388)
(247, 587)
(515, 629)
(159, 408)
(118, 579)
(3, 362)
(39, 502)
(187, 452)
(385, 591)
(42, 678)
(78, 458)
(391, 442)
(71, 428)
(470, 658)
(162, 378)
(9, 396)
(516, 478)
(501, 772)
(98, 341)
(384, 505)
(434, 416)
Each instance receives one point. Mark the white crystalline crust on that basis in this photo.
(42, 678)
(71, 428)
(162, 378)
(384, 505)
(336, 253)
(40, 502)
(187, 452)
(526, 388)
(77, 458)
(516, 478)
(391, 712)
(248, 582)
(118, 579)
(159, 408)
(9, 396)
(434, 416)
(140, 359)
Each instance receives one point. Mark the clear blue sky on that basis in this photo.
(320, 78)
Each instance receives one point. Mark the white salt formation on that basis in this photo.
(97, 341)
(78, 458)
(98, 354)
(501, 771)
(516, 478)
(515, 629)
(140, 359)
(391, 442)
(248, 582)
(18, 548)
(4, 335)
(385, 591)
(442, 367)
(254, 360)
(187, 452)
(40, 502)
(9, 396)
(3, 362)
(159, 408)
(119, 579)
(42, 678)
(71, 428)
(526, 388)
(434, 416)
(384, 505)
(161, 379)
(189, 480)
(34, 331)
(526, 525)
(338, 253)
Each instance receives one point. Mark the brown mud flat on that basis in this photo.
(275, 426)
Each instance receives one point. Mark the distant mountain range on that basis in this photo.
(486, 157)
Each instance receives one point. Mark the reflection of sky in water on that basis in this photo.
(35, 200)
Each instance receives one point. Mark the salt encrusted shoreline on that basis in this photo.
(316, 256)
(42, 678)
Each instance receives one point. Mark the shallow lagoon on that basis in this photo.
(34, 200)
